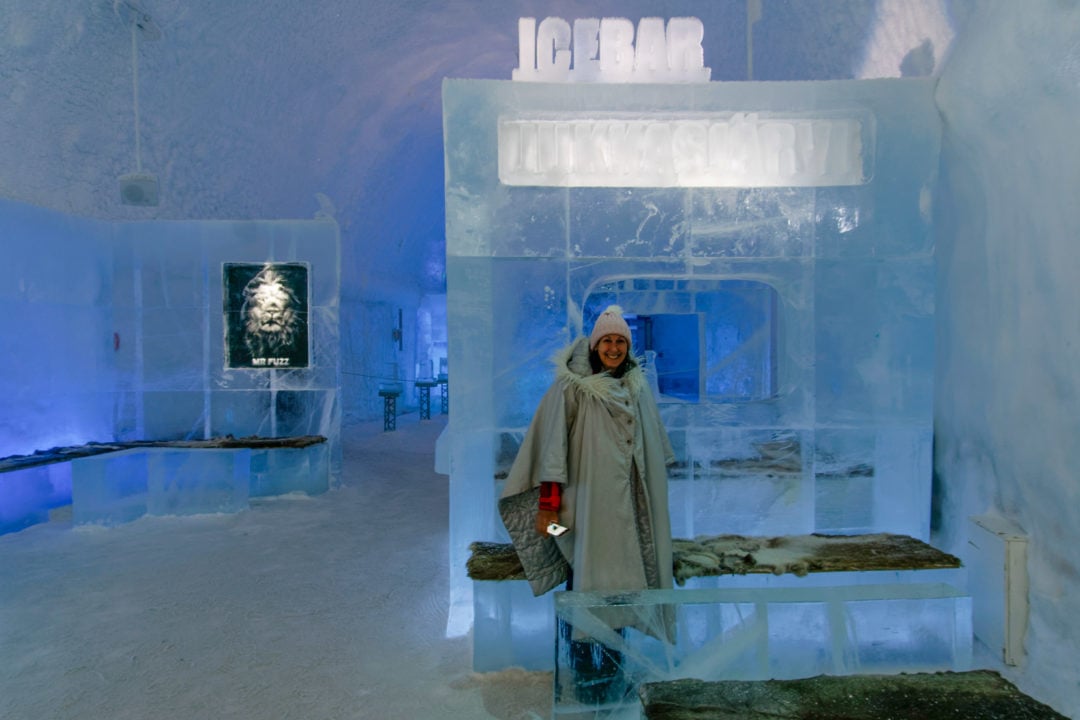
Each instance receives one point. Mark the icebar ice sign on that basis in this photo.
(606, 50)
(730, 150)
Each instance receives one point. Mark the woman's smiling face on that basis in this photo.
(612, 350)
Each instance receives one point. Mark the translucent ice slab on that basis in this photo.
(512, 627)
(278, 471)
(109, 489)
(120, 487)
(185, 482)
(27, 495)
(797, 316)
(607, 645)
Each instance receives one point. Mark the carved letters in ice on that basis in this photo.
(702, 150)
(607, 50)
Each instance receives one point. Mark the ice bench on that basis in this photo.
(110, 483)
(511, 627)
(120, 487)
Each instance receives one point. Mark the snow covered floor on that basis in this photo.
(300, 608)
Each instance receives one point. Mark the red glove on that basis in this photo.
(550, 496)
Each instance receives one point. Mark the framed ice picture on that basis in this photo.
(266, 315)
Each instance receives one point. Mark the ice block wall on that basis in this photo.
(817, 290)
(168, 294)
(55, 329)
(115, 331)
(55, 344)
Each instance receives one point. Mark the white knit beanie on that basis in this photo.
(610, 322)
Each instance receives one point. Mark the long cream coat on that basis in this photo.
(601, 438)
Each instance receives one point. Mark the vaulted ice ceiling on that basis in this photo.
(255, 109)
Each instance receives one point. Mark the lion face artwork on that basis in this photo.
(266, 315)
(270, 322)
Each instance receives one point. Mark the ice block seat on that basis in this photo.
(110, 483)
(513, 628)
(971, 694)
(751, 635)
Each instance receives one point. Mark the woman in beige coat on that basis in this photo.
(593, 460)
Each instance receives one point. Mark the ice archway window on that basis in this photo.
(710, 340)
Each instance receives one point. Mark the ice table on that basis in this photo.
(754, 634)
(423, 388)
(444, 393)
(389, 394)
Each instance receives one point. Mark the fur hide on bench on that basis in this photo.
(66, 454)
(981, 694)
(739, 555)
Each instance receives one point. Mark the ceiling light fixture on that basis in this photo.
(137, 188)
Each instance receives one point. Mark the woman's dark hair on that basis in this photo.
(598, 367)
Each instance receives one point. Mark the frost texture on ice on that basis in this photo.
(121, 336)
(792, 327)
(751, 634)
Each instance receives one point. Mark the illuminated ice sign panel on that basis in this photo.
(701, 150)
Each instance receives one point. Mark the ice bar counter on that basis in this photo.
(780, 285)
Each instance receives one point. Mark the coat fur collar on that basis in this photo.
(572, 367)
